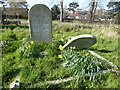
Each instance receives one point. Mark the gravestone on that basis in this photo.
(40, 23)
(81, 42)
(1, 16)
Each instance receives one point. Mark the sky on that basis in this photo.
(83, 4)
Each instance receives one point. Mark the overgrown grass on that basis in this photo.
(37, 63)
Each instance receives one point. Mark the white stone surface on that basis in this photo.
(81, 42)
(40, 23)
(14, 84)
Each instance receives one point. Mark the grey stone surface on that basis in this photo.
(40, 23)
(81, 42)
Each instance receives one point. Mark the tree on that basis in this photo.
(18, 3)
(117, 18)
(114, 8)
(61, 10)
(73, 6)
(93, 6)
(15, 3)
(114, 11)
(55, 11)
(114, 5)
(3, 3)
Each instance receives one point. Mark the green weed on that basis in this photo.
(41, 62)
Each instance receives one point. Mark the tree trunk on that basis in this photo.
(93, 8)
(61, 11)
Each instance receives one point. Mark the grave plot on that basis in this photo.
(42, 64)
(81, 63)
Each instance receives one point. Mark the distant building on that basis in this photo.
(79, 14)
(15, 12)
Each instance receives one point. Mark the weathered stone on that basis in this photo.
(81, 42)
(40, 23)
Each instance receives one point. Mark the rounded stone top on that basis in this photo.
(81, 41)
(39, 5)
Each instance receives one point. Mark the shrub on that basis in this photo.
(11, 46)
(117, 19)
(11, 43)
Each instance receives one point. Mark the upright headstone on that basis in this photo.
(81, 42)
(0, 16)
(40, 23)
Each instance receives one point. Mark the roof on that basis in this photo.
(71, 14)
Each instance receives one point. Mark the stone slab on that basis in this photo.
(81, 42)
(40, 20)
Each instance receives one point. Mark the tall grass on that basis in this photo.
(18, 58)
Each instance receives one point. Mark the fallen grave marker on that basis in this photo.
(84, 42)
(81, 42)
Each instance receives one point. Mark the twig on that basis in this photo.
(60, 81)
(95, 54)
(55, 81)
(105, 71)
(71, 78)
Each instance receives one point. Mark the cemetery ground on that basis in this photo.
(37, 63)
